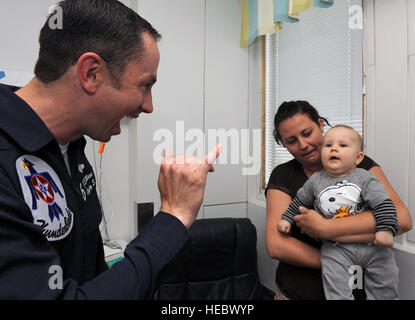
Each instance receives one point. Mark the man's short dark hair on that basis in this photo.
(105, 27)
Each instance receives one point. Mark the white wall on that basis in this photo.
(20, 23)
(203, 83)
(390, 110)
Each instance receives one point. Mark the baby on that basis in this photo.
(341, 190)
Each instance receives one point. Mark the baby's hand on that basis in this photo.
(384, 239)
(284, 226)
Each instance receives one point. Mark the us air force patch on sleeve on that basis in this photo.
(44, 194)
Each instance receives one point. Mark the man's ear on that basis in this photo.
(91, 69)
(360, 157)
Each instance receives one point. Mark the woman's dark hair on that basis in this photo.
(289, 109)
(105, 27)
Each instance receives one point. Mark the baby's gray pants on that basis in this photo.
(341, 264)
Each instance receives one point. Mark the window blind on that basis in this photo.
(318, 59)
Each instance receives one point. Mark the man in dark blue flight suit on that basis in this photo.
(96, 70)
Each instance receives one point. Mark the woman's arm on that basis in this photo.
(284, 247)
(358, 238)
(314, 225)
(403, 215)
(362, 224)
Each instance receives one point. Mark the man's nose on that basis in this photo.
(147, 106)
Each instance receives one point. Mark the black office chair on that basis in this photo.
(218, 263)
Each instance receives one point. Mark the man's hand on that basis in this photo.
(182, 182)
(312, 223)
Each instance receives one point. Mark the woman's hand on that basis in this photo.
(313, 224)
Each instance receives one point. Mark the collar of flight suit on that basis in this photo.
(21, 122)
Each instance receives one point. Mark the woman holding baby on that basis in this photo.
(299, 128)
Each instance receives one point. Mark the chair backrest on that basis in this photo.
(219, 262)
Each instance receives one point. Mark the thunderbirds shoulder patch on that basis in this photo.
(44, 194)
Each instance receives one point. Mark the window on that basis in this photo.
(318, 59)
